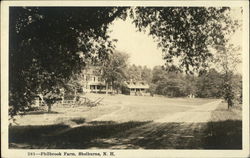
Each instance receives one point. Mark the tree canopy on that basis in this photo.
(114, 69)
(185, 34)
(49, 44)
(209, 84)
(138, 73)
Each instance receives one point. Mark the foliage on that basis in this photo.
(72, 87)
(49, 44)
(185, 33)
(232, 88)
(186, 36)
(210, 85)
(168, 82)
(227, 58)
(139, 73)
(134, 73)
(113, 69)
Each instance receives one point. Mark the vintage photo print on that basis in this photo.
(124, 79)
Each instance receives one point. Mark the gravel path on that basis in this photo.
(198, 114)
(120, 123)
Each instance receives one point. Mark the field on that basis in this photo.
(132, 122)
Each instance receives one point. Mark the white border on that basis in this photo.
(126, 153)
(245, 121)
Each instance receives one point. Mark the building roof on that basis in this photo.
(141, 84)
(97, 83)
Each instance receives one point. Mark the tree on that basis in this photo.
(209, 84)
(139, 73)
(237, 86)
(228, 58)
(146, 74)
(168, 81)
(158, 74)
(134, 73)
(185, 33)
(49, 44)
(114, 70)
(190, 85)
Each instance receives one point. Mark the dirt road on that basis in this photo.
(188, 113)
(180, 130)
(121, 122)
(199, 114)
(127, 108)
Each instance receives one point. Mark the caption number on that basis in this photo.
(31, 153)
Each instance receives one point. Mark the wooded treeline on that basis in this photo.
(168, 81)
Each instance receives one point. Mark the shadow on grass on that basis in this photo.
(223, 135)
(74, 138)
(129, 135)
(78, 120)
(39, 112)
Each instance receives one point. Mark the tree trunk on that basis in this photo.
(63, 97)
(111, 88)
(49, 108)
(106, 88)
(229, 94)
(229, 103)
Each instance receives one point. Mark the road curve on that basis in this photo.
(198, 114)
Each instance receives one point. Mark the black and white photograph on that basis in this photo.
(99, 79)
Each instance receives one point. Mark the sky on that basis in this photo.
(142, 48)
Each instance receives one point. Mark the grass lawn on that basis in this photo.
(128, 122)
(224, 131)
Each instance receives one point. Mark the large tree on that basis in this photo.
(114, 70)
(139, 73)
(227, 58)
(169, 81)
(209, 84)
(49, 44)
(185, 34)
(134, 73)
